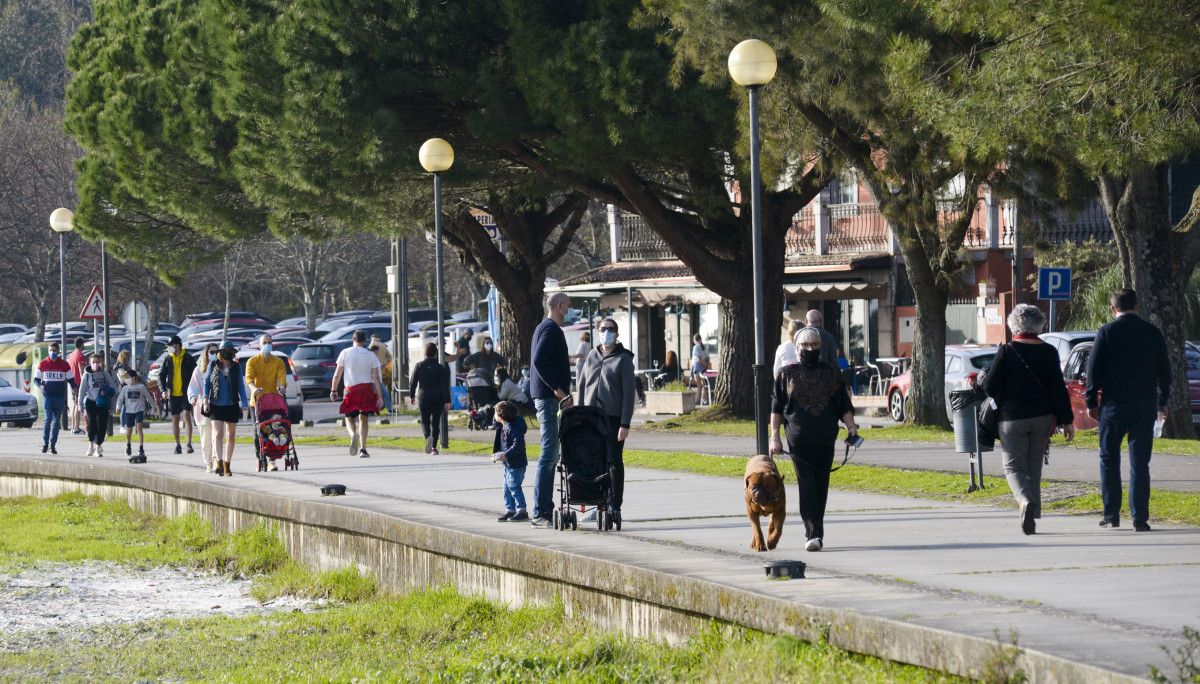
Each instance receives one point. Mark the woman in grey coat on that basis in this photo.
(607, 382)
(97, 395)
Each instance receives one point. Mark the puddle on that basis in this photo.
(39, 602)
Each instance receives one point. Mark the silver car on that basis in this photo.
(17, 406)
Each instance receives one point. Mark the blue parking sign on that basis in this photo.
(1054, 283)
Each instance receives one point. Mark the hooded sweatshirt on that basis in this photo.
(607, 382)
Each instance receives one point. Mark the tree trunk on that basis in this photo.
(154, 311)
(518, 318)
(735, 382)
(310, 311)
(1159, 277)
(926, 403)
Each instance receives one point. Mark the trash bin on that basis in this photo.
(965, 407)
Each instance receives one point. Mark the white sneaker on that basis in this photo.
(813, 544)
(354, 445)
(91, 450)
(100, 450)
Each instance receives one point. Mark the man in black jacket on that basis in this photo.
(1128, 385)
(173, 377)
(549, 384)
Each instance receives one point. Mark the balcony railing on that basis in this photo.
(857, 228)
(639, 242)
(860, 227)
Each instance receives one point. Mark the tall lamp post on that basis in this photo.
(436, 156)
(62, 221)
(752, 64)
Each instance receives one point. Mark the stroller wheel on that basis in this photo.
(601, 516)
(616, 521)
(574, 521)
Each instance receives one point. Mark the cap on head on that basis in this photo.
(175, 340)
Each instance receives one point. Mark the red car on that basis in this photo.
(1075, 373)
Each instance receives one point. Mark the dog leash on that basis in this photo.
(845, 458)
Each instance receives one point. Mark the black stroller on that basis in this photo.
(584, 467)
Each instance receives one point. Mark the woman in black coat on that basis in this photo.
(430, 386)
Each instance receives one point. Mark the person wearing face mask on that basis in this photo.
(97, 392)
(523, 381)
(607, 382)
(174, 374)
(485, 361)
(195, 395)
(811, 395)
(550, 387)
(265, 373)
(224, 388)
(53, 375)
(509, 391)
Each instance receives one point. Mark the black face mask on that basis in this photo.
(810, 357)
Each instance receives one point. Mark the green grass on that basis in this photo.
(439, 636)
(717, 420)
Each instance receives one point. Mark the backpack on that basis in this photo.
(105, 395)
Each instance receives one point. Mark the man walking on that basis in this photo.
(549, 384)
(265, 373)
(77, 360)
(53, 375)
(828, 343)
(1128, 384)
(364, 390)
(173, 377)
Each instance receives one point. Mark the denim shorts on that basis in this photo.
(131, 420)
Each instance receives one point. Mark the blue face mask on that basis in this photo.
(608, 338)
(54, 355)
(212, 357)
(266, 348)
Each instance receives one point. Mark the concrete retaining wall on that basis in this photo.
(405, 555)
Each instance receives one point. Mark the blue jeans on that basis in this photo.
(1136, 419)
(53, 408)
(543, 486)
(514, 496)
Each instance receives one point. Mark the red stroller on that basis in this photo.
(273, 433)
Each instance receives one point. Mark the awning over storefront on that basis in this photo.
(837, 290)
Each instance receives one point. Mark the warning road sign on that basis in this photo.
(94, 306)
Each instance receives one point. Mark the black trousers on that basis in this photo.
(431, 419)
(813, 463)
(616, 494)
(97, 421)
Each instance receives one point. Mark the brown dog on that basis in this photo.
(765, 496)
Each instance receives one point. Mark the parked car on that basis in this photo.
(285, 345)
(1064, 342)
(354, 313)
(1076, 376)
(192, 319)
(343, 334)
(17, 406)
(293, 393)
(9, 328)
(963, 363)
(315, 364)
(298, 321)
(337, 323)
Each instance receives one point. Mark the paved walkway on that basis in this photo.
(1070, 464)
(1110, 598)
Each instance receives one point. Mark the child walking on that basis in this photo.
(132, 403)
(509, 450)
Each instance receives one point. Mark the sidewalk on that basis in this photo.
(1069, 464)
(1109, 598)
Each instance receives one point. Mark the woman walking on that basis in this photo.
(195, 394)
(224, 389)
(97, 391)
(607, 382)
(1026, 382)
(430, 387)
(700, 364)
(812, 397)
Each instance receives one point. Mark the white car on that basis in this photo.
(1064, 342)
(17, 406)
(295, 398)
(963, 363)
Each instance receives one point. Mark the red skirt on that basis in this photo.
(359, 399)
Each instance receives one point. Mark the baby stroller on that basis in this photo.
(273, 433)
(584, 467)
(482, 395)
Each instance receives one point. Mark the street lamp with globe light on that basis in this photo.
(437, 156)
(752, 64)
(62, 221)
